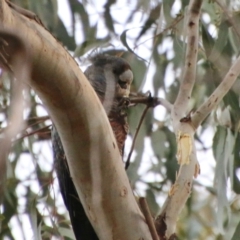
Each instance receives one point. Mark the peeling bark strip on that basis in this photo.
(184, 143)
(98, 175)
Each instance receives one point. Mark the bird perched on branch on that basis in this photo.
(111, 78)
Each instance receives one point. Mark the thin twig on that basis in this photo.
(34, 132)
(151, 101)
(135, 137)
(175, 22)
(39, 119)
(146, 212)
(218, 94)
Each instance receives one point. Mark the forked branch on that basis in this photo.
(186, 155)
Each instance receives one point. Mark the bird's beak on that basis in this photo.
(124, 83)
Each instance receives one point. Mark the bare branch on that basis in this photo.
(181, 189)
(189, 71)
(15, 122)
(171, 26)
(41, 131)
(186, 155)
(150, 102)
(149, 219)
(135, 137)
(217, 95)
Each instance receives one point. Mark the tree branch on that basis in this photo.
(15, 121)
(94, 161)
(135, 137)
(189, 71)
(218, 94)
(149, 219)
(181, 189)
(186, 153)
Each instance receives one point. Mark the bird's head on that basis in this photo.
(117, 73)
(123, 76)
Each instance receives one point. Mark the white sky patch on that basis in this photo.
(238, 173)
(65, 14)
(21, 227)
(169, 77)
(213, 31)
(160, 113)
(25, 167)
(148, 153)
(176, 8)
(206, 18)
(206, 159)
(45, 155)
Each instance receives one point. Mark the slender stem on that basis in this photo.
(171, 26)
(39, 131)
(149, 219)
(135, 137)
(151, 101)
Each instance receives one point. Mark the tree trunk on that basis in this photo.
(93, 157)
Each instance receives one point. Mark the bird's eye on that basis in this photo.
(122, 84)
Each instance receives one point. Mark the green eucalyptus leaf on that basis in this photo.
(236, 233)
(208, 41)
(152, 203)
